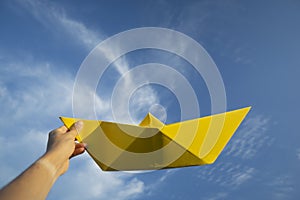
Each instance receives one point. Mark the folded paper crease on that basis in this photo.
(155, 145)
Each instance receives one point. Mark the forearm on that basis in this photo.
(34, 183)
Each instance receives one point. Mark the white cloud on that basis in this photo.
(49, 96)
(240, 178)
(250, 138)
(202, 13)
(217, 196)
(229, 175)
(84, 174)
(3, 90)
(18, 152)
(142, 100)
(167, 174)
(33, 95)
(298, 153)
(230, 172)
(92, 183)
(282, 187)
(44, 94)
(132, 188)
(163, 175)
(55, 18)
(30, 89)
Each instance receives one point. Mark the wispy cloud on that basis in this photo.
(29, 89)
(55, 18)
(229, 171)
(32, 144)
(96, 184)
(250, 138)
(195, 19)
(217, 196)
(229, 175)
(31, 95)
(298, 153)
(282, 187)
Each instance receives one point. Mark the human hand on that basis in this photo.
(62, 146)
(36, 181)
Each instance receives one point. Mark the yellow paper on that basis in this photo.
(154, 145)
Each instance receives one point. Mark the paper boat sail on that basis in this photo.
(154, 145)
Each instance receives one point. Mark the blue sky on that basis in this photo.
(255, 45)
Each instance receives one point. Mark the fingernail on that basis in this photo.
(85, 145)
(79, 125)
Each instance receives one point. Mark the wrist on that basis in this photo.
(50, 162)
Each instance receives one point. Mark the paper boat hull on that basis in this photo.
(153, 145)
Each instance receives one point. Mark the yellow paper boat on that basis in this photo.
(154, 145)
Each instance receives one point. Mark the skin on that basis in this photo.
(36, 181)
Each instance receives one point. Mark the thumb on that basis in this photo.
(76, 128)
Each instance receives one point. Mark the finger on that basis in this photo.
(62, 129)
(78, 151)
(76, 128)
(59, 130)
(80, 145)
